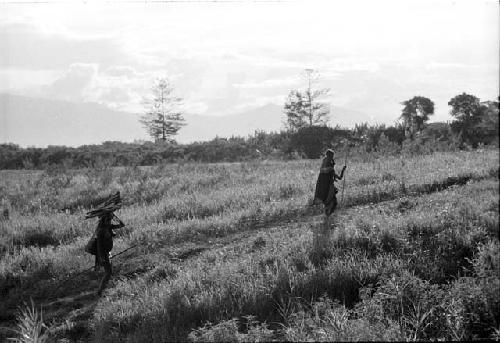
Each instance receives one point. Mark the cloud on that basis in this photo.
(269, 83)
(27, 46)
(198, 107)
(115, 97)
(74, 84)
(223, 59)
(122, 71)
(122, 87)
(259, 102)
(447, 65)
(118, 88)
(16, 80)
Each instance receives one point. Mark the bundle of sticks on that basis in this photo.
(113, 203)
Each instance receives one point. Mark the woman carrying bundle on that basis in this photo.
(103, 244)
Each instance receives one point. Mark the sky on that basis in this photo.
(225, 58)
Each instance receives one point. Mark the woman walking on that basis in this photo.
(104, 243)
(326, 192)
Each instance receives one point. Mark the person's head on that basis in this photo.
(330, 153)
(106, 218)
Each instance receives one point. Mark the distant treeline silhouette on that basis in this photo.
(307, 142)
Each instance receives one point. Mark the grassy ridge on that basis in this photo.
(177, 279)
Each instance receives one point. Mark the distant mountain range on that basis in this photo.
(32, 121)
(39, 122)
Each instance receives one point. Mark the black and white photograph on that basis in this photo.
(249, 171)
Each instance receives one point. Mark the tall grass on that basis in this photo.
(428, 219)
(30, 326)
(275, 283)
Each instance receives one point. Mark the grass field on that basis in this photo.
(229, 252)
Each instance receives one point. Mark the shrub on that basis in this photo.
(487, 260)
(30, 326)
(413, 303)
(330, 321)
(478, 307)
(37, 237)
(230, 331)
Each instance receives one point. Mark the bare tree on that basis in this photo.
(162, 118)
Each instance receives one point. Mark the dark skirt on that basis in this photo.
(323, 184)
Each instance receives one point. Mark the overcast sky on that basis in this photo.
(226, 58)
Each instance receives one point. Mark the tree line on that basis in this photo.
(306, 142)
(306, 134)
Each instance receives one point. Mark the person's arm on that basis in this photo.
(119, 225)
(339, 177)
(112, 227)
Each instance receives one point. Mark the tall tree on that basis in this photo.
(473, 117)
(415, 114)
(489, 126)
(489, 116)
(304, 108)
(295, 111)
(162, 118)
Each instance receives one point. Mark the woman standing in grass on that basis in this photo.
(326, 192)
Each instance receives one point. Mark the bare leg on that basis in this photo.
(331, 201)
(331, 206)
(316, 201)
(96, 265)
(105, 278)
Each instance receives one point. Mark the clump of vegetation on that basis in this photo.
(30, 326)
(230, 331)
